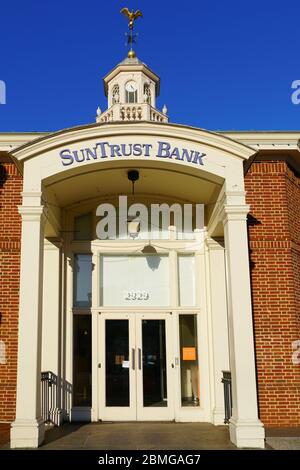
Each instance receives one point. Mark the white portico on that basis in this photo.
(166, 351)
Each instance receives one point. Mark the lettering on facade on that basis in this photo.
(105, 150)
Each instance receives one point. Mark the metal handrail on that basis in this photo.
(48, 395)
(226, 380)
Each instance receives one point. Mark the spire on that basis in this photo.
(131, 37)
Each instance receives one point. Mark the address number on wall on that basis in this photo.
(136, 295)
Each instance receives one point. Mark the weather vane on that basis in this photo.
(132, 16)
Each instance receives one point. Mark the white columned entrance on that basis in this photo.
(28, 428)
(66, 181)
(246, 430)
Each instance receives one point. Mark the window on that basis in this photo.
(131, 96)
(82, 361)
(186, 272)
(83, 281)
(134, 281)
(190, 387)
(147, 93)
(115, 94)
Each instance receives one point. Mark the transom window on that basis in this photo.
(134, 280)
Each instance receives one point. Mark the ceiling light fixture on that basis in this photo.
(133, 176)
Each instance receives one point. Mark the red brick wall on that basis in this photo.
(273, 191)
(10, 232)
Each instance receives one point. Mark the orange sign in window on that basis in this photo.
(188, 354)
(119, 360)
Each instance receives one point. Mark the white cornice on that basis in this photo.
(263, 140)
(11, 140)
(276, 141)
(96, 131)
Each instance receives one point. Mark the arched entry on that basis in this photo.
(67, 170)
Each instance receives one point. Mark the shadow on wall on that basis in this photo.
(3, 175)
(251, 222)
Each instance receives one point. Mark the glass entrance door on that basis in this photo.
(117, 379)
(136, 370)
(155, 368)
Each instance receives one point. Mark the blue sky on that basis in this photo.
(223, 64)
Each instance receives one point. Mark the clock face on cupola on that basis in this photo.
(131, 86)
(131, 95)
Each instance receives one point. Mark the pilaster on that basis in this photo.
(28, 428)
(246, 430)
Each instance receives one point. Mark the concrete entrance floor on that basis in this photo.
(151, 436)
(137, 436)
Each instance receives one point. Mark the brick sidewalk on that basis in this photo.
(283, 438)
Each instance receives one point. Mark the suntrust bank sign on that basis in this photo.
(106, 150)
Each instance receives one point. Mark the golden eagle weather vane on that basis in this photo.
(132, 17)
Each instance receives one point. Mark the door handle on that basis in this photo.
(140, 358)
(133, 358)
